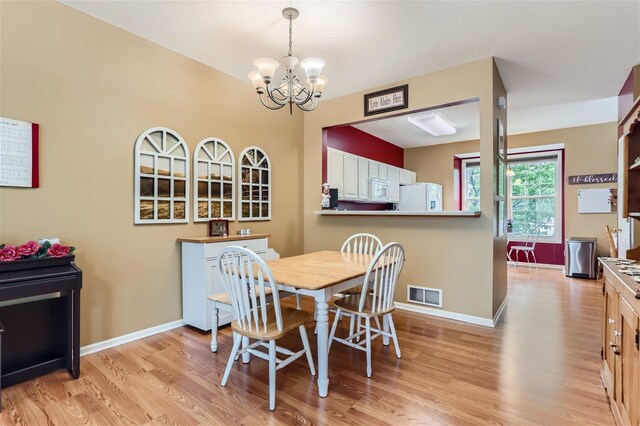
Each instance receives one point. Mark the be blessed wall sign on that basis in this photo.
(587, 179)
(386, 100)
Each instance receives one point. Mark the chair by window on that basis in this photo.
(246, 278)
(528, 248)
(375, 300)
(613, 250)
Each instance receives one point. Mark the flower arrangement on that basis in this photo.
(33, 250)
(509, 225)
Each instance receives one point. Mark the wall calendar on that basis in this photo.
(19, 153)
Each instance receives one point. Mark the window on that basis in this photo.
(213, 181)
(471, 189)
(534, 193)
(161, 175)
(255, 185)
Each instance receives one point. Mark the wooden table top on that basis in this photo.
(318, 270)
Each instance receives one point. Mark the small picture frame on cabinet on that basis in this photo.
(218, 228)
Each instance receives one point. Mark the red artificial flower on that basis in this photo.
(58, 250)
(8, 253)
(28, 249)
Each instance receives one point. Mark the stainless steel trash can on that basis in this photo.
(580, 258)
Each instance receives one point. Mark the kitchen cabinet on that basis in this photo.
(393, 175)
(383, 171)
(350, 172)
(335, 170)
(620, 339)
(407, 177)
(363, 179)
(373, 169)
(200, 276)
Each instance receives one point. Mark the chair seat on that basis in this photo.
(521, 248)
(224, 297)
(291, 318)
(351, 304)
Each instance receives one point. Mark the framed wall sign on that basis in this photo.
(218, 228)
(19, 153)
(386, 100)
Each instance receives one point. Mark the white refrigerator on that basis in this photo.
(422, 197)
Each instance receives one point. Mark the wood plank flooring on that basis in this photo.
(538, 366)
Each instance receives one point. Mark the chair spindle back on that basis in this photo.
(362, 244)
(382, 276)
(245, 276)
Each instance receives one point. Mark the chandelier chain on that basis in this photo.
(290, 35)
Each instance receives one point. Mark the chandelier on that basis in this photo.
(290, 90)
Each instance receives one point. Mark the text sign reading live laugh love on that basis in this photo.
(587, 179)
(386, 100)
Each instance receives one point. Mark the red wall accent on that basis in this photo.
(356, 142)
(548, 253)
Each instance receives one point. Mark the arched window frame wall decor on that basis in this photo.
(257, 164)
(161, 149)
(214, 153)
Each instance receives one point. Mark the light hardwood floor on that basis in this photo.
(538, 366)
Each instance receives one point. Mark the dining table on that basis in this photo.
(321, 275)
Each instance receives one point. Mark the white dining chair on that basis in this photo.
(528, 248)
(375, 300)
(361, 243)
(246, 278)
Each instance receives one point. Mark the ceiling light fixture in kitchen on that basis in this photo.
(432, 123)
(290, 90)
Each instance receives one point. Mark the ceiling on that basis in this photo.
(548, 52)
(399, 131)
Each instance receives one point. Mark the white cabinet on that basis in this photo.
(373, 169)
(363, 178)
(335, 170)
(383, 171)
(350, 184)
(200, 277)
(393, 177)
(407, 177)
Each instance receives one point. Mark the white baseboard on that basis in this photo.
(121, 340)
(500, 310)
(486, 322)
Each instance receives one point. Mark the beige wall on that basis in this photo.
(435, 247)
(588, 149)
(94, 88)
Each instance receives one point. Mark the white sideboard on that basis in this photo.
(200, 277)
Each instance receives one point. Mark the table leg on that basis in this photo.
(214, 327)
(385, 328)
(323, 339)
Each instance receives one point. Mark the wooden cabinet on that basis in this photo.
(620, 367)
(407, 177)
(350, 173)
(363, 179)
(393, 177)
(335, 170)
(200, 277)
(629, 179)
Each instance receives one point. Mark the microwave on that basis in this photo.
(378, 190)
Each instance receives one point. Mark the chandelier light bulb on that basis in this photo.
(258, 82)
(313, 68)
(267, 68)
(318, 86)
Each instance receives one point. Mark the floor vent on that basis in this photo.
(425, 295)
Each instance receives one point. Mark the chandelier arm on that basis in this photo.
(312, 106)
(273, 108)
(309, 96)
(274, 100)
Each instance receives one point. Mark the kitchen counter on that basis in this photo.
(396, 213)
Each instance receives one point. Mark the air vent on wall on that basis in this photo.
(425, 295)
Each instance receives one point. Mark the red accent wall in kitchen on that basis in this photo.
(356, 142)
